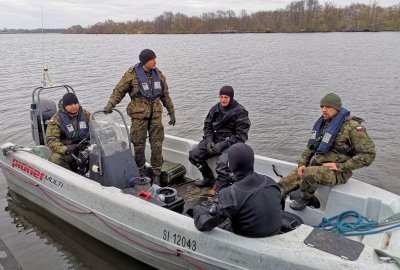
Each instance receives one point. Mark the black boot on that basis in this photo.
(314, 201)
(208, 176)
(301, 203)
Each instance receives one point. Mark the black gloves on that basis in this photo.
(210, 147)
(71, 149)
(172, 120)
(204, 221)
(216, 148)
(219, 147)
(108, 108)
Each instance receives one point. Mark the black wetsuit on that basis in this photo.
(226, 125)
(252, 203)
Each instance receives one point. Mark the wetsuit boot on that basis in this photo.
(208, 176)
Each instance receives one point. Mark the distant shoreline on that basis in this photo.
(297, 17)
(214, 33)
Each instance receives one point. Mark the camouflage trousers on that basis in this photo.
(312, 177)
(155, 129)
(62, 160)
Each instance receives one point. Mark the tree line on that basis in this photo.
(298, 16)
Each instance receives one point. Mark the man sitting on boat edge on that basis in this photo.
(338, 145)
(250, 207)
(226, 123)
(66, 128)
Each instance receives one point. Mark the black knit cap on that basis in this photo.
(146, 55)
(241, 159)
(69, 99)
(226, 91)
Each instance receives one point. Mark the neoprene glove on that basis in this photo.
(108, 108)
(210, 147)
(71, 149)
(172, 120)
(219, 147)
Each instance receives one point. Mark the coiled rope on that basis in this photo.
(342, 226)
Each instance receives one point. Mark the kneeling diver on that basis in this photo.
(251, 205)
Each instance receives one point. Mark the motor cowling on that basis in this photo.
(41, 111)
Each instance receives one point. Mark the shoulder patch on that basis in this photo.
(359, 128)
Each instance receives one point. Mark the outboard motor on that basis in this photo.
(40, 115)
(111, 162)
(42, 110)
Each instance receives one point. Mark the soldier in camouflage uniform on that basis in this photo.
(148, 90)
(338, 145)
(66, 129)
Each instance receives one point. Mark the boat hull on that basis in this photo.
(168, 240)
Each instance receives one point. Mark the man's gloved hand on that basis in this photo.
(172, 120)
(219, 147)
(108, 108)
(210, 147)
(71, 149)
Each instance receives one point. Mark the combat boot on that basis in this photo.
(314, 201)
(301, 203)
(208, 176)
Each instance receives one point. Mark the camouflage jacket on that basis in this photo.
(140, 107)
(54, 133)
(352, 148)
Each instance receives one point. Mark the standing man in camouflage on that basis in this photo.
(338, 145)
(65, 130)
(148, 90)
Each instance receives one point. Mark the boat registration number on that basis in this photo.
(179, 240)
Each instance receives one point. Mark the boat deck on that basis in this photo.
(191, 194)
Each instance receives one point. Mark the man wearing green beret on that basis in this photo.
(338, 144)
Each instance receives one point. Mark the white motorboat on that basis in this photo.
(162, 235)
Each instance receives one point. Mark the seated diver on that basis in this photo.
(66, 128)
(250, 207)
(226, 124)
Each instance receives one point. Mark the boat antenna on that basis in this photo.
(46, 78)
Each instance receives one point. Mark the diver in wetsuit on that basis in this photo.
(250, 207)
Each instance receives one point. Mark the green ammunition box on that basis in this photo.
(171, 172)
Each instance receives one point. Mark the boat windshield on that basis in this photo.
(108, 134)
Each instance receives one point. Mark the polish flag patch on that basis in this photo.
(359, 128)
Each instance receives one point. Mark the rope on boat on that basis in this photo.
(34, 150)
(340, 225)
(114, 228)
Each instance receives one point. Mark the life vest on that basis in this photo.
(321, 142)
(72, 133)
(149, 91)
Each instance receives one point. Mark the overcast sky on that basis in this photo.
(26, 14)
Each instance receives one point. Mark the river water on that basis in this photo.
(279, 78)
